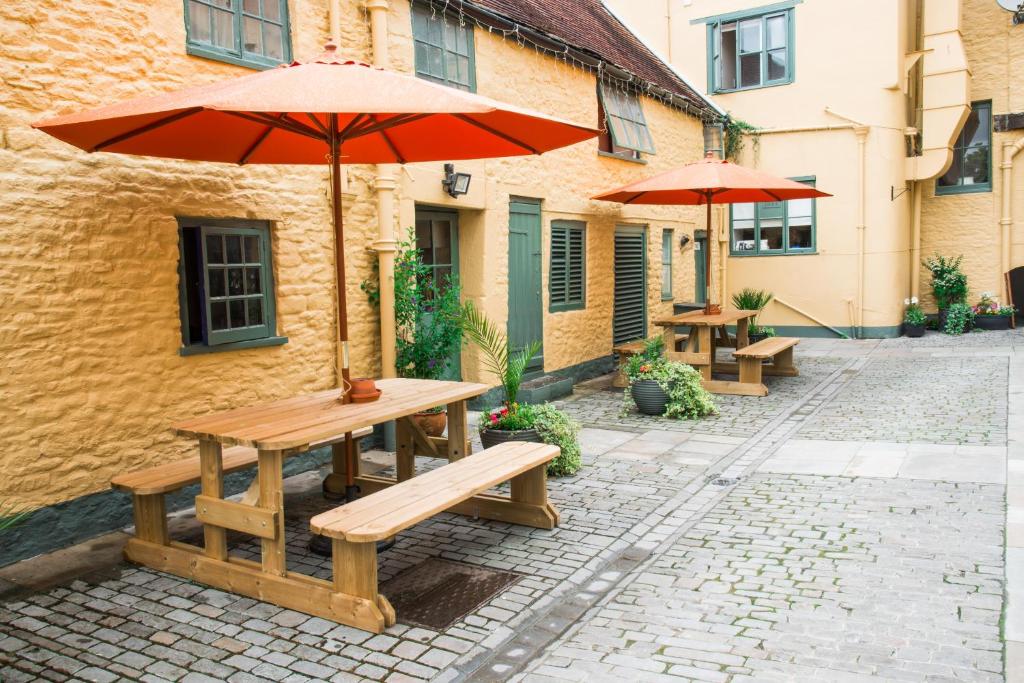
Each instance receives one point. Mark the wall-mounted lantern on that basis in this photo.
(454, 183)
(683, 241)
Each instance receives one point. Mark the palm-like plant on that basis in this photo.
(750, 299)
(506, 364)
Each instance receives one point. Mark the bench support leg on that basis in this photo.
(150, 518)
(458, 431)
(334, 482)
(405, 459)
(212, 485)
(355, 574)
(272, 498)
(706, 343)
(531, 488)
(783, 360)
(750, 370)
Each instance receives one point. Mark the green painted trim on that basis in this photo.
(821, 332)
(762, 13)
(670, 234)
(747, 13)
(608, 113)
(202, 349)
(426, 9)
(973, 187)
(567, 227)
(238, 56)
(785, 251)
(614, 155)
(424, 212)
(73, 521)
(642, 230)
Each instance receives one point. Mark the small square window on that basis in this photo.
(624, 119)
(443, 47)
(751, 52)
(769, 228)
(252, 33)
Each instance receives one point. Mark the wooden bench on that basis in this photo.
(779, 349)
(149, 486)
(633, 348)
(356, 527)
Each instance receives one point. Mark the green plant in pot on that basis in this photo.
(428, 324)
(959, 319)
(914, 319)
(949, 283)
(989, 315)
(512, 420)
(659, 386)
(749, 299)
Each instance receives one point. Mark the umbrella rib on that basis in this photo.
(277, 124)
(498, 133)
(146, 128)
(394, 121)
(252, 148)
(773, 195)
(356, 120)
(391, 146)
(295, 126)
(312, 117)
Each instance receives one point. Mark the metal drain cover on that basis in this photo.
(725, 481)
(437, 593)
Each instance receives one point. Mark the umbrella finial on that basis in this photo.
(330, 46)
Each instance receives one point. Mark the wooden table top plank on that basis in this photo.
(377, 517)
(699, 318)
(297, 422)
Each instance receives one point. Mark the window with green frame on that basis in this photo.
(768, 228)
(751, 49)
(667, 240)
(624, 118)
(971, 170)
(444, 48)
(226, 286)
(252, 33)
(567, 269)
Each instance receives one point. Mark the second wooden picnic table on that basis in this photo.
(707, 331)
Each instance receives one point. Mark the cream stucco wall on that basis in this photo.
(91, 376)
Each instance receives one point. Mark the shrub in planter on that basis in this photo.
(756, 333)
(959, 318)
(914, 319)
(949, 283)
(514, 421)
(652, 378)
(989, 315)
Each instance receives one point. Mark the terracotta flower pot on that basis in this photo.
(363, 385)
(493, 437)
(432, 424)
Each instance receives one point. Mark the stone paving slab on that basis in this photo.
(809, 578)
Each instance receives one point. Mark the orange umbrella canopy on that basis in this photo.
(285, 116)
(713, 181)
(710, 181)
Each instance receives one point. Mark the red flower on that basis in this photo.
(504, 411)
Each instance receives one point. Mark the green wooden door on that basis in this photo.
(525, 312)
(700, 285)
(437, 238)
(629, 320)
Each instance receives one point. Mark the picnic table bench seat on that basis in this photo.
(778, 349)
(356, 527)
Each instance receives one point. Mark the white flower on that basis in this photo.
(906, 302)
(913, 299)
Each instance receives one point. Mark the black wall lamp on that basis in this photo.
(455, 183)
(683, 241)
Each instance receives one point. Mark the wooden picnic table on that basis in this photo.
(279, 429)
(707, 331)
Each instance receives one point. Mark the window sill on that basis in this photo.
(807, 252)
(962, 189)
(209, 53)
(562, 308)
(667, 298)
(200, 349)
(613, 155)
(788, 81)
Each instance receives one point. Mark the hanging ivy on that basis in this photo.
(735, 129)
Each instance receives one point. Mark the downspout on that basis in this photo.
(862, 137)
(1010, 150)
(334, 18)
(917, 190)
(384, 186)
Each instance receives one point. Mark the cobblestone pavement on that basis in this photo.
(776, 541)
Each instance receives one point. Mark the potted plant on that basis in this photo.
(949, 283)
(662, 387)
(514, 421)
(749, 299)
(428, 324)
(989, 315)
(914, 319)
(959, 319)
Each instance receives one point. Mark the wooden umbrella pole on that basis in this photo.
(351, 463)
(709, 308)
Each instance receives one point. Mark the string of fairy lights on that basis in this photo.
(553, 47)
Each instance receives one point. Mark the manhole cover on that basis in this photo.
(725, 481)
(437, 593)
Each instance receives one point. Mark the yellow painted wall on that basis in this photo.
(968, 223)
(91, 376)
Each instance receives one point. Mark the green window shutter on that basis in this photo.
(253, 33)
(444, 50)
(667, 240)
(971, 170)
(567, 266)
(236, 288)
(629, 320)
(625, 119)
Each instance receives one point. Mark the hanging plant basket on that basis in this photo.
(649, 397)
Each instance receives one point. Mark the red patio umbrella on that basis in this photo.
(318, 112)
(710, 181)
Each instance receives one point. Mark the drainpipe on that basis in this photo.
(1010, 150)
(384, 186)
(917, 190)
(862, 138)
